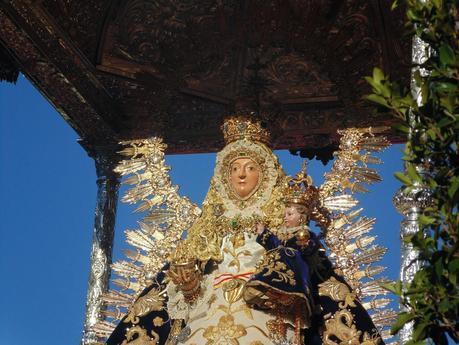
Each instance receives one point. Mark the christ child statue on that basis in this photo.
(282, 281)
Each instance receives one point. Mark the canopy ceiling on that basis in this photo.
(136, 68)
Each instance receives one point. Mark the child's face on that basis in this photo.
(292, 217)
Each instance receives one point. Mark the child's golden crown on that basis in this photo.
(301, 190)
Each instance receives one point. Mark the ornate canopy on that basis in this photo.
(136, 68)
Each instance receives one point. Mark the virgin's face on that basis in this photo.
(292, 217)
(244, 176)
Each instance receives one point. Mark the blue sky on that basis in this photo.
(47, 199)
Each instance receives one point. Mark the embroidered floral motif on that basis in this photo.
(264, 237)
(152, 301)
(277, 329)
(341, 329)
(225, 333)
(338, 292)
(272, 264)
(158, 321)
(138, 336)
(236, 262)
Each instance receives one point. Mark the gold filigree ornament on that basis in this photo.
(301, 190)
(232, 290)
(240, 127)
(224, 213)
(165, 215)
(350, 170)
(347, 234)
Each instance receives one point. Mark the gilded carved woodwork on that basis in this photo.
(80, 21)
(8, 70)
(137, 68)
(61, 77)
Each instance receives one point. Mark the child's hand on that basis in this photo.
(303, 238)
(260, 227)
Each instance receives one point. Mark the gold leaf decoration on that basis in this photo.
(349, 235)
(158, 321)
(152, 301)
(165, 216)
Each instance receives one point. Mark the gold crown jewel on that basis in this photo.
(240, 127)
(301, 190)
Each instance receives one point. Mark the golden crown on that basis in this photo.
(301, 190)
(240, 127)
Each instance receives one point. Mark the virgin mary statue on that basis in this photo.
(200, 296)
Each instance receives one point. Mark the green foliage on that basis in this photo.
(432, 129)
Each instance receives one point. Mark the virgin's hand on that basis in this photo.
(260, 227)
